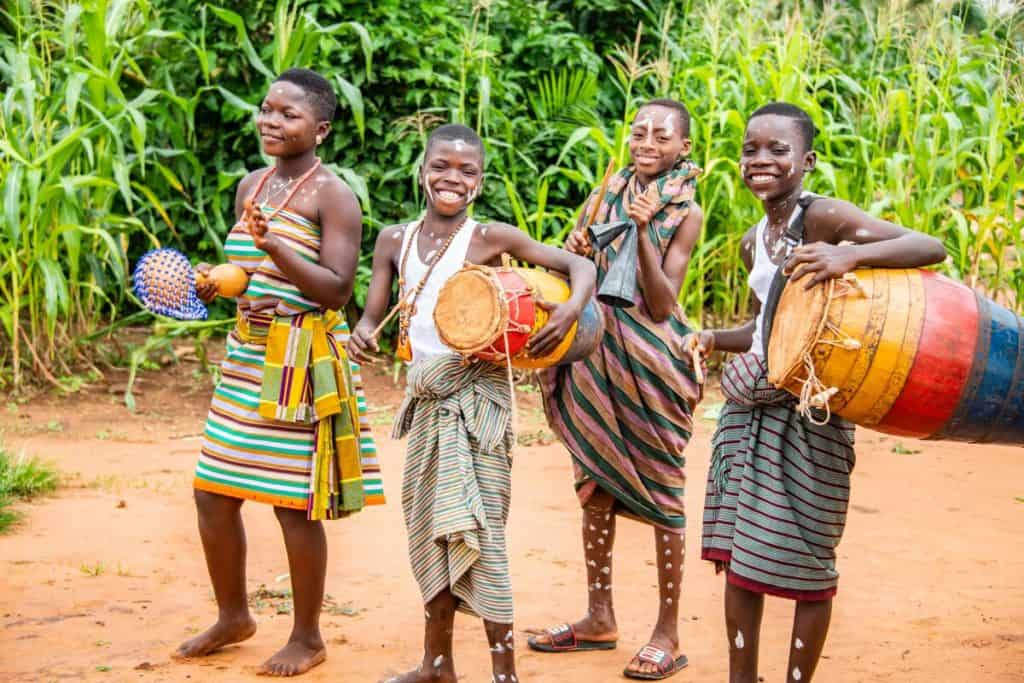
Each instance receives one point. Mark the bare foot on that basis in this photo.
(590, 627)
(217, 636)
(437, 674)
(295, 658)
(660, 642)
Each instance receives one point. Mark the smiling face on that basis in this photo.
(287, 122)
(657, 140)
(774, 157)
(451, 175)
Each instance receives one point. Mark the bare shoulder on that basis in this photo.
(389, 241)
(248, 183)
(826, 217)
(328, 187)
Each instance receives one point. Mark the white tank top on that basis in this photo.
(762, 274)
(422, 333)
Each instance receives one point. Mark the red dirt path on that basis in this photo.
(103, 580)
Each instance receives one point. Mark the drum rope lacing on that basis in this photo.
(813, 392)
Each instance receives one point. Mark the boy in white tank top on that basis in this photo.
(456, 486)
(778, 484)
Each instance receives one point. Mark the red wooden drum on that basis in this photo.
(479, 308)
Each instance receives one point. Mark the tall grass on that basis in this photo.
(125, 123)
(82, 170)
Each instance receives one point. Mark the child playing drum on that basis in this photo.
(457, 485)
(297, 237)
(779, 483)
(625, 414)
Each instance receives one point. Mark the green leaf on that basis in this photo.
(243, 39)
(354, 98)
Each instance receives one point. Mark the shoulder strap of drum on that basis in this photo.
(794, 235)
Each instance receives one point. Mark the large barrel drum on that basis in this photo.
(479, 308)
(903, 351)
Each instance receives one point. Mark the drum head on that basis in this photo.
(469, 314)
(795, 327)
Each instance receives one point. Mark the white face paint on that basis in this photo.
(669, 125)
(738, 641)
(459, 143)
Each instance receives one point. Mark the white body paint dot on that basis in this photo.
(438, 661)
(796, 673)
(665, 538)
(799, 644)
(668, 565)
(606, 570)
(738, 641)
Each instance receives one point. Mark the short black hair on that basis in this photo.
(319, 92)
(801, 118)
(454, 131)
(684, 113)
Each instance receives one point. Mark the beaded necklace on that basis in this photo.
(407, 305)
(250, 202)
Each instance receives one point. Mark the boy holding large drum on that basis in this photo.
(779, 483)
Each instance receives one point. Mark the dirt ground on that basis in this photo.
(104, 579)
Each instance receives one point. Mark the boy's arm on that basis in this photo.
(876, 243)
(733, 339)
(329, 282)
(378, 296)
(502, 238)
(662, 278)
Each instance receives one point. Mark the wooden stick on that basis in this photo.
(698, 371)
(600, 193)
(395, 309)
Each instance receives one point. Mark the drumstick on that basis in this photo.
(395, 309)
(600, 193)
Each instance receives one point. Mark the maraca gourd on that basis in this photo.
(229, 279)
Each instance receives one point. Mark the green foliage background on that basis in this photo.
(127, 123)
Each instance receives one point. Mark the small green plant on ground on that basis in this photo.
(21, 478)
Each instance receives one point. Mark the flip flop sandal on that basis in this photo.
(659, 658)
(563, 639)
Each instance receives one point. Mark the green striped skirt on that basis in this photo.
(777, 490)
(248, 456)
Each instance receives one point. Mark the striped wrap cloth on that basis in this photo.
(777, 489)
(457, 482)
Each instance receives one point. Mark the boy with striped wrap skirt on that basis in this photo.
(779, 482)
(625, 413)
(456, 414)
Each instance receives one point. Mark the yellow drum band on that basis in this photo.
(555, 290)
(862, 341)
